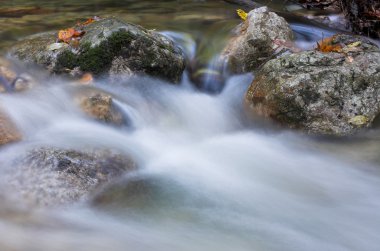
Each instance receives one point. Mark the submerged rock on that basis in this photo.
(108, 46)
(254, 42)
(100, 106)
(11, 79)
(135, 192)
(144, 193)
(51, 177)
(209, 80)
(322, 93)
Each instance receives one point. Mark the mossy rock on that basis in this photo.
(107, 45)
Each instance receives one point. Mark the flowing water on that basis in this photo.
(207, 179)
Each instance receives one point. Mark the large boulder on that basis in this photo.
(255, 40)
(53, 176)
(108, 46)
(323, 93)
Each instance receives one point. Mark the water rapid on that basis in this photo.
(207, 178)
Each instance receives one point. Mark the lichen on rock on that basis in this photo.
(321, 93)
(254, 42)
(50, 176)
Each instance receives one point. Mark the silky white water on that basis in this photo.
(207, 178)
(213, 181)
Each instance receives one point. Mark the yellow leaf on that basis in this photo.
(242, 14)
(359, 120)
(354, 44)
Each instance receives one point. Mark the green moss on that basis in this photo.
(95, 59)
(66, 59)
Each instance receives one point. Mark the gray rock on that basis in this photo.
(107, 47)
(322, 93)
(51, 177)
(255, 38)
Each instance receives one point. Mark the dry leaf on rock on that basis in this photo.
(242, 14)
(327, 45)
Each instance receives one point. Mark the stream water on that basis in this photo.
(211, 180)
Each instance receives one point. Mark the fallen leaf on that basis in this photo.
(351, 49)
(359, 120)
(354, 44)
(66, 35)
(242, 14)
(78, 33)
(86, 79)
(327, 45)
(89, 21)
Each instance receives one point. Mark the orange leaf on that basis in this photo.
(86, 79)
(88, 21)
(327, 45)
(78, 33)
(67, 34)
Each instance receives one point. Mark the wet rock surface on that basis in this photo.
(108, 46)
(254, 42)
(8, 130)
(321, 93)
(133, 192)
(12, 79)
(51, 176)
(100, 106)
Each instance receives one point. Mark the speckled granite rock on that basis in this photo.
(321, 93)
